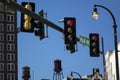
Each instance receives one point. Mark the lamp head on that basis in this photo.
(95, 14)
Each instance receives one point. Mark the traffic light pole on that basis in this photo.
(20, 8)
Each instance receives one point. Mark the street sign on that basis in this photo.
(85, 41)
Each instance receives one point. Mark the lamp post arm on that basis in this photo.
(115, 40)
(77, 74)
(114, 21)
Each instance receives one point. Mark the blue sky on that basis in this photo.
(40, 55)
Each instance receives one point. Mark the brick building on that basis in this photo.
(8, 43)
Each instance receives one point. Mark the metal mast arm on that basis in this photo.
(20, 8)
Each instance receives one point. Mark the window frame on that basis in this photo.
(10, 37)
(1, 46)
(11, 76)
(1, 27)
(1, 17)
(10, 57)
(10, 18)
(10, 28)
(1, 76)
(1, 66)
(10, 67)
(1, 37)
(1, 56)
(10, 47)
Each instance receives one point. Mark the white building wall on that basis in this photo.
(111, 65)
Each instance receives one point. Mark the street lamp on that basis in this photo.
(95, 16)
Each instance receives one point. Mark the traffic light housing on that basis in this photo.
(40, 32)
(94, 45)
(27, 22)
(70, 30)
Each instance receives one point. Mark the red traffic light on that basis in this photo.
(70, 30)
(94, 45)
(95, 37)
(71, 22)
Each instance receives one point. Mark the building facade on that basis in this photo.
(110, 64)
(8, 43)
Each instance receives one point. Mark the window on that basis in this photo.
(1, 37)
(1, 66)
(1, 27)
(10, 37)
(10, 57)
(10, 27)
(10, 67)
(1, 76)
(10, 47)
(10, 76)
(1, 46)
(1, 57)
(10, 18)
(1, 17)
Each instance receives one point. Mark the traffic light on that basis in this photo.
(27, 22)
(94, 45)
(40, 32)
(70, 30)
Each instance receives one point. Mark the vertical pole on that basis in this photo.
(103, 54)
(116, 52)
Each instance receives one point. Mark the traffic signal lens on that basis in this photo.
(71, 23)
(28, 6)
(94, 50)
(70, 37)
(27, 23)
(95, 38)
(94, 44)
(70, 30)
